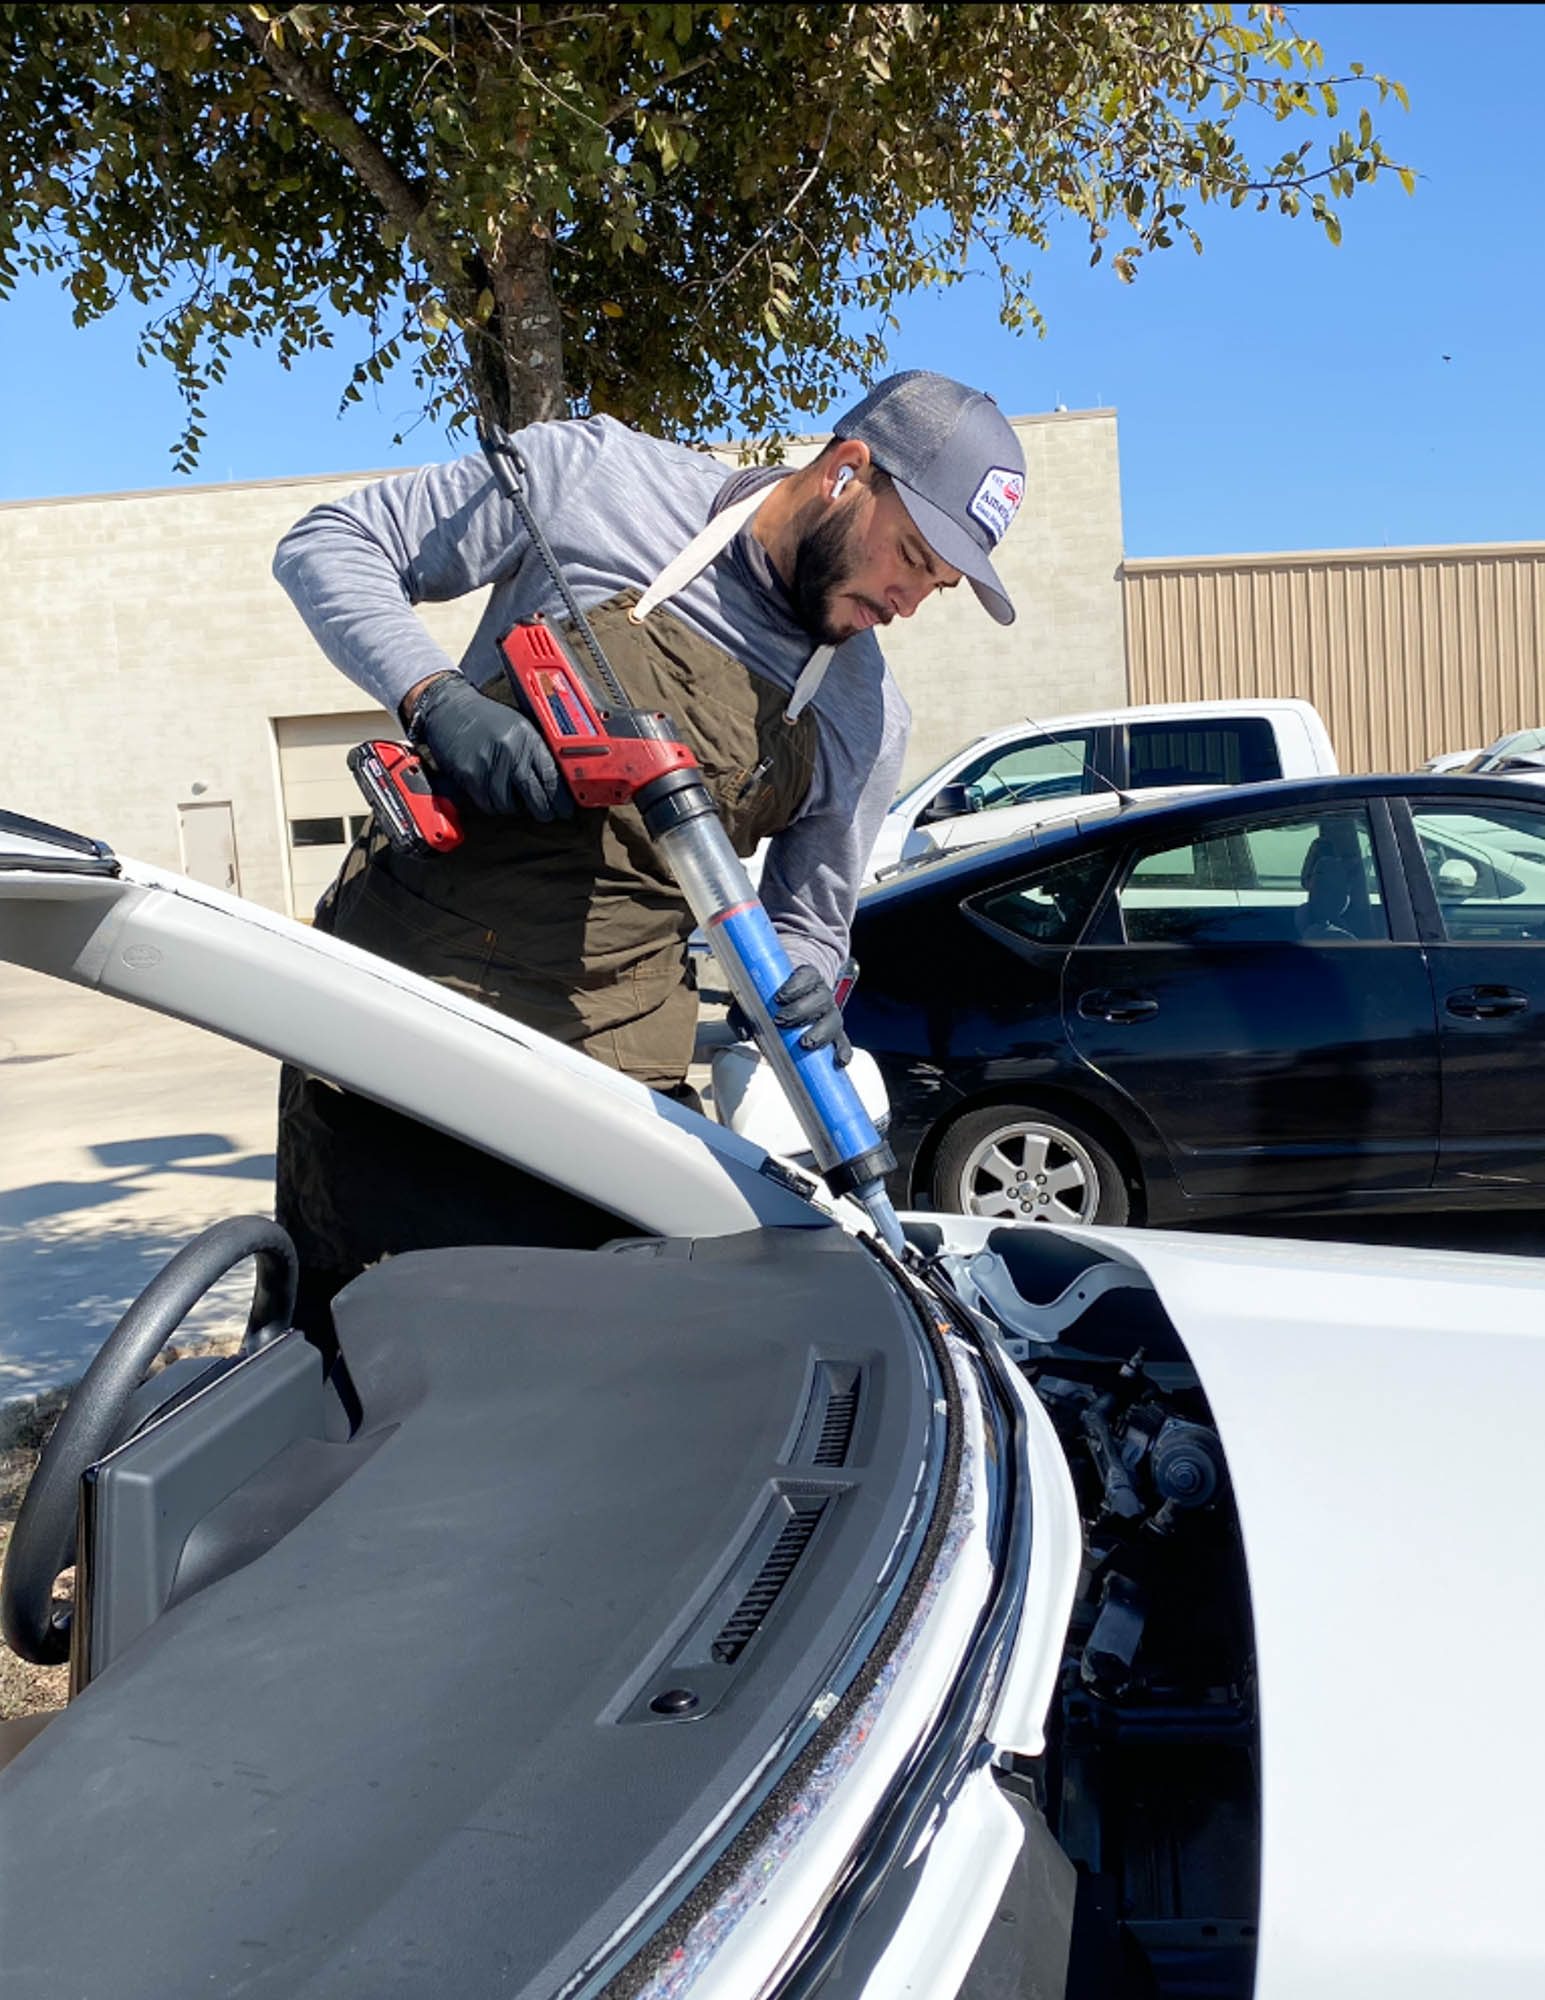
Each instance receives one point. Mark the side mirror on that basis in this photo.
(1457, 877)
(949, 802)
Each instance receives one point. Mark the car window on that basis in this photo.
(1241, 752)
(1309, 879)
(1527, 743)
(1043, 767)
(1050, 907)
(1487, 869)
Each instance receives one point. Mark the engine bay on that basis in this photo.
(1151, 1781)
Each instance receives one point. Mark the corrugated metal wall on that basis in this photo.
(1405, 652)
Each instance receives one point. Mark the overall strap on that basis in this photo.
(704, 547)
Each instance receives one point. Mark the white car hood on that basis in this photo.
(1380, 1411)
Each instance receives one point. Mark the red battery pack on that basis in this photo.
(414, 817)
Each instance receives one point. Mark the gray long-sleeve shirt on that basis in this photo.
(616, 507)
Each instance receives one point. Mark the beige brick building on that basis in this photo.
(185, 716)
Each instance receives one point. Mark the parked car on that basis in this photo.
(730, 1608)
(1520, 752)
(1034, 771)
(1289, 995)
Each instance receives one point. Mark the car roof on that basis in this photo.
(1101, 820)
(1153, 711)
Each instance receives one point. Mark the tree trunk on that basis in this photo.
(517, 359)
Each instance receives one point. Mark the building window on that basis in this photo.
(317, 832)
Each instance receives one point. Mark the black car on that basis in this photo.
(1293, 995)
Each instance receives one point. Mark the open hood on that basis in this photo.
(1379, 1410)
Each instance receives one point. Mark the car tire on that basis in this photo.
(1026, 1163)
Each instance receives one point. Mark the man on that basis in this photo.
(745, 605)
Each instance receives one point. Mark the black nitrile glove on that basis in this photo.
(804, 1000)
(490, 753)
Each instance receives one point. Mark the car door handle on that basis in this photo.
(1120, 1007)
(1486, 1003)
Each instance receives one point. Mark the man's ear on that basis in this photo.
(841, 466)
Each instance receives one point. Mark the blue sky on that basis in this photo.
(1273, 393)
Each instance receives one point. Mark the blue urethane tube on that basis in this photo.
(843, 1128)
(851, 1155)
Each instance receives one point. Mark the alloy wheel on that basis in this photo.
(1030, 1172)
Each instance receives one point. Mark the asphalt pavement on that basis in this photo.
(124, 1134)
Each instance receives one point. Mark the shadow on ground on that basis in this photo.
(73, 1257)
(135, 1161)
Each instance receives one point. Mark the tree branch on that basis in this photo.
(623, 105)
(399, 199)
(788, 209)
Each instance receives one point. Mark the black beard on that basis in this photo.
(821, 568)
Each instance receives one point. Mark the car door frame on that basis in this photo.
(1223, 816)
(1428, 913)
(1433, 933)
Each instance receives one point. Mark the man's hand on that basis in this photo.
(490, 753)
(804, 1000)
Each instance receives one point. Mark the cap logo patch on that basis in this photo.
(996, 501)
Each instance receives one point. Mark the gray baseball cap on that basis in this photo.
(957, 467)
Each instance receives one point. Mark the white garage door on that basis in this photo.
(323, 807)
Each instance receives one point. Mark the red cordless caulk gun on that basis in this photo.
(616, 755)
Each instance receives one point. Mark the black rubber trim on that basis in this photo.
(96, 857)
(938, 1774)
(670, 801)
(665, 1940)
(862, 1171)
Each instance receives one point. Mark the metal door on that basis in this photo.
(207, 835)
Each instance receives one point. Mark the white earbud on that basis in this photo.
(844, 478)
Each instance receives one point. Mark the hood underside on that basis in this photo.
(1379, 1410)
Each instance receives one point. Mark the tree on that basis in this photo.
(696, 216)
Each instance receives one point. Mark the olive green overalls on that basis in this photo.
(576, 928)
